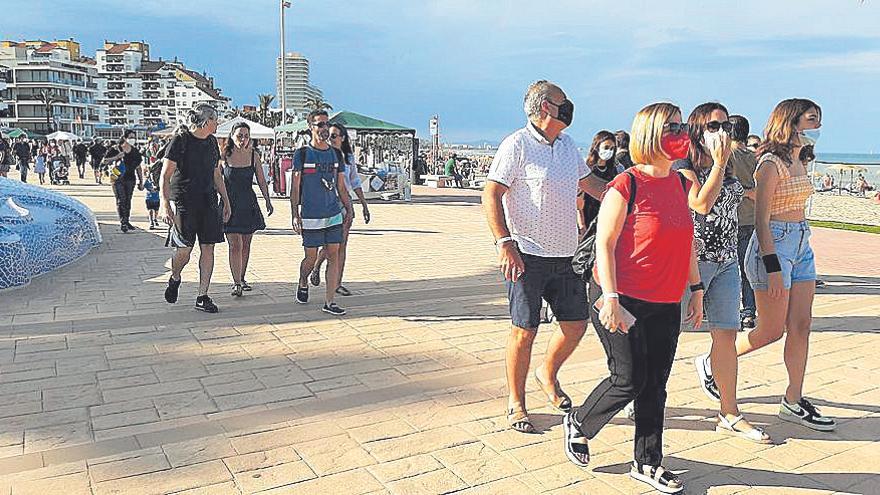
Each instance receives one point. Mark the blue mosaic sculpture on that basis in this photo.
(40, 230)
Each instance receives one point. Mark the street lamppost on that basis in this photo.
(284, 4)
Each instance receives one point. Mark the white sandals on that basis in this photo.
(728, 427)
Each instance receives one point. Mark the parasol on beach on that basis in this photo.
(841, 168)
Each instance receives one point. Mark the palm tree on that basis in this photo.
(318, 103)
(265, 100)
(49, 101)
(233, 112)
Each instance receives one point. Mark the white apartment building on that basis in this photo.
(139, 92)
(298, 90)
(33, 68)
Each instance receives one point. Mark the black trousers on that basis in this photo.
(639, 362)
(123, 190)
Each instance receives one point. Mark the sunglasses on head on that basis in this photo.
(715, 126)
(675, 128)
(321, 125)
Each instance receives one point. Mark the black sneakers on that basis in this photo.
(123, 228)
(302, 294)
(707, 381)
(172, 290)
(805, 413)
(333, 309)
(204, 303)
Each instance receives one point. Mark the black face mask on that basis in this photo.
(564, 112)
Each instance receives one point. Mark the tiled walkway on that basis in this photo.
(106, 389)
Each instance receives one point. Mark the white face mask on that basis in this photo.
(606, 154)
(130, 141)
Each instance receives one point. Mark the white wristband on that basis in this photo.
(611, 295)
(502, 240)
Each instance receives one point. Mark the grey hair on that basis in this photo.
(199, 116)
(538, 92)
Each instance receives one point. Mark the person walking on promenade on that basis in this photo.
(339, 140)
(97, 152)
(80, 150)
(23, 156)
(128, 159)
(5, 156)
(152, 202)
(241, 163)
(191, 180)
(744, 163)
(780, 263)
(622, 157)
(40, 165)
(319, 203)
(644, 260)
(602, 164)
(715, 232)
(530, 201)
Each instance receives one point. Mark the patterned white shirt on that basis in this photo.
(540, 204)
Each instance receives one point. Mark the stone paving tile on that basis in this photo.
(184, 478)
(440, 481)
(262, 479)
(146, 462)
(261, 459)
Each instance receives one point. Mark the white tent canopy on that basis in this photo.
(258, 131)
(63, 136)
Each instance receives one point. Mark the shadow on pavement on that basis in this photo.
(700, 476)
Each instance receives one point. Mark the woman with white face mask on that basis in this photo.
(714, 210)
(601, 162)
(125, 161)
(779, 260)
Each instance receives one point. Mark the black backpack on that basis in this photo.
(585, 256)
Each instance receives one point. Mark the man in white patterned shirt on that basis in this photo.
(531, 204)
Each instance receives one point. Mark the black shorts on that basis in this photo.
(553, 280)
(202, 220)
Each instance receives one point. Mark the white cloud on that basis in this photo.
(867, 62)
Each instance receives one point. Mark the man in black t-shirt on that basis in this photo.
(80, 150)
(191, 180)
(129, 159)
(23, 153)
(97, 150)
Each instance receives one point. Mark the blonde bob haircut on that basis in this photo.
(647, 131)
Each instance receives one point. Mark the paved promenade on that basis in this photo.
(106, 389)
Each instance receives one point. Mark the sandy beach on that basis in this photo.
(850, 209)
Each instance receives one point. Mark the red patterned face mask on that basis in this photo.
(675, 145)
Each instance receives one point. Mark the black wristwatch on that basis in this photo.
(698, 286)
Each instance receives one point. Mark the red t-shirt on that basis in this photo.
(653, 252)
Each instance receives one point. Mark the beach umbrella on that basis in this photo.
(63, 136)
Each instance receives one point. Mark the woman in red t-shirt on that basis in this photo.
(644, 259)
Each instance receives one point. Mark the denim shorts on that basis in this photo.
(722, 297)
(551, 279)
(792, 242)
(313, 238)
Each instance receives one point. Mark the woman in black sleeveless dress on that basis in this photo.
(241, 163)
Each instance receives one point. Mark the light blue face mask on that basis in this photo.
(810, 136)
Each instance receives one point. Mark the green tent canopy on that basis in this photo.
(350, 120)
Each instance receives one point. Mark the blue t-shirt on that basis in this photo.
(152, 192)
(321, 207)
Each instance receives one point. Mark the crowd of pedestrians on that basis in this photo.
(679, 224)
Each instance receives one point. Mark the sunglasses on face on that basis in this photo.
(321, 125)
(675, 128)
(335, 136)
(715, 126)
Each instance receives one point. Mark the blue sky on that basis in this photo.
(470, 61)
